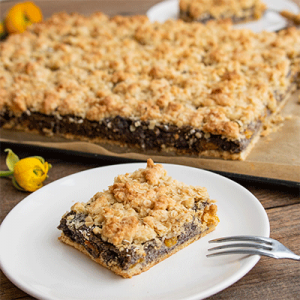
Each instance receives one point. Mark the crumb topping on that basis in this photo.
(210, 77)
(145, 205)
(222, 8)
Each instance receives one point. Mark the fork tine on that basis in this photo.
(249, 238)
(242, 245)
(253, 245)
(243, 251)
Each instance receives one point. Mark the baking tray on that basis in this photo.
(274, 159)
(71, 155)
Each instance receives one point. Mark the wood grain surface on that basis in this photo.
(269, 279)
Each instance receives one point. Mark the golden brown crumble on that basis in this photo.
(274, 124)
(210, 77)
(222, 8)
(145, 205)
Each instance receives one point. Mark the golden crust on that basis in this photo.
(145, 205)
(223, 8)
(211, 77)
(295, 18)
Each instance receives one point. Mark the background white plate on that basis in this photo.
(271, 21)
(34, 260)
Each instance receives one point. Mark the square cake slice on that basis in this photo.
(205, 10)
(140, 220)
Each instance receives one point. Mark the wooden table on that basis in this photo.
(269, 279)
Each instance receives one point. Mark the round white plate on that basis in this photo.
(271, 20)
(34, 260)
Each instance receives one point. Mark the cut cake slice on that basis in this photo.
(237, 11)
(140, 220)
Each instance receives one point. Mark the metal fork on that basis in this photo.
(253, 245)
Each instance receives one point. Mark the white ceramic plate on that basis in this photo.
(271, 20)
(34, 260)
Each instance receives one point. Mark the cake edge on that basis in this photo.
(137, 269)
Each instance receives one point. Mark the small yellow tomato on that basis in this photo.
(30, 173)
(22, 15)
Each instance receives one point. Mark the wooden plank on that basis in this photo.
(124, 7)
(272, 278)
(269, 279)
(271, 195)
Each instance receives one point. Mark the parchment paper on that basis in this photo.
(276, 156)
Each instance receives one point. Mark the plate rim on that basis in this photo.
(239, 274)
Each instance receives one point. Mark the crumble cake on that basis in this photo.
(294, 18)
(140, 220)
(189, 88)
(236, 10)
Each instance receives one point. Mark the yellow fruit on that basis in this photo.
(22, 15)
(171, 242)
(30, 173)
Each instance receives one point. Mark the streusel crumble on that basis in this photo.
(140, 220)
(188, 88)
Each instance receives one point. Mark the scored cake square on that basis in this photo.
(236, 10)
(140, 220)
(173, 87)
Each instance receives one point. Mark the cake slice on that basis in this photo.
(236, 10)
(140, 220)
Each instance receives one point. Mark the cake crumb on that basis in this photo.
(274, 124)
